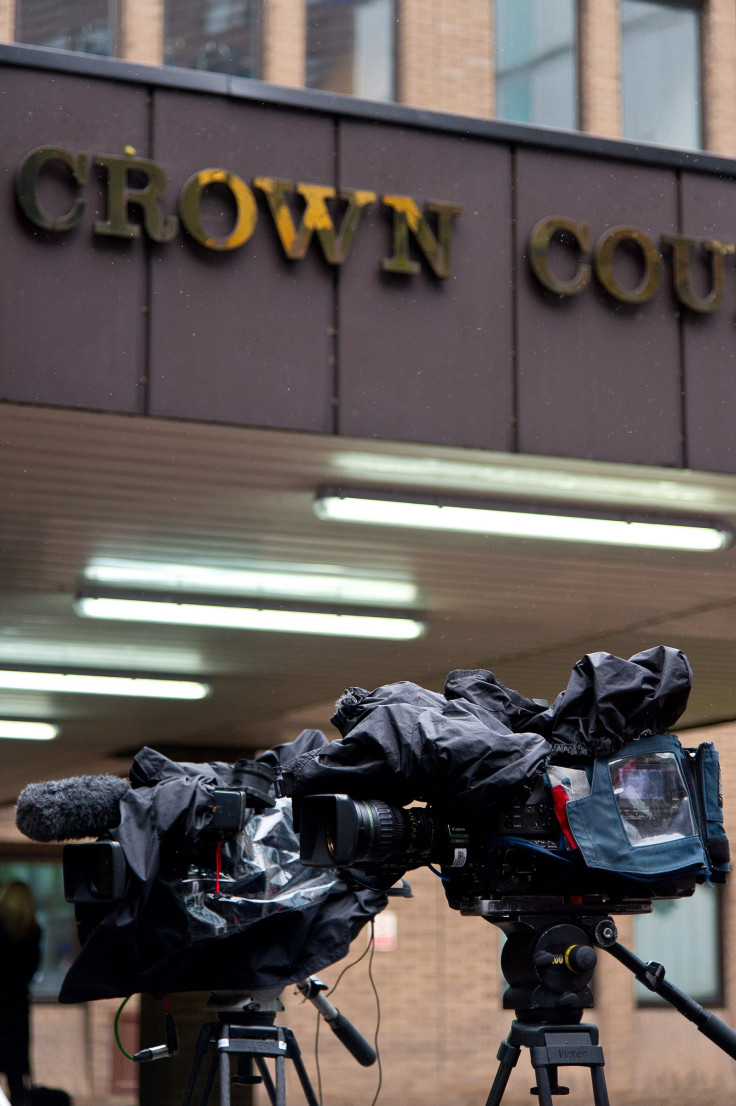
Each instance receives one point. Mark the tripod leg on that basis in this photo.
(508, 1054)
(209, 1082)
(544, 1085)
(199, 1053)
(600, 1091)
(267, 1080)
(224, 1079)
(295, 1055)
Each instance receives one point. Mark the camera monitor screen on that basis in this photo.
(651, 798)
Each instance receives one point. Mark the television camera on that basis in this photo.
(545, 820)
(602, 826)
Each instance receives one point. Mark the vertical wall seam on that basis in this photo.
(147, 306)
(682, 375)
(514, 359)
(335, 337)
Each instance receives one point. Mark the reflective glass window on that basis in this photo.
(84, 25)
(55, 916)
(536, 62)
(684, 936)
(220, 36)
(660, 73)
(350, 47)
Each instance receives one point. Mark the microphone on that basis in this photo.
(71, 809)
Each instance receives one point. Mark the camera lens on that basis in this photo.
(382, 830)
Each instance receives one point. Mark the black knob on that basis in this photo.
(580, 958)
(606, 933)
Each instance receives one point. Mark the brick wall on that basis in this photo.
(445, 56)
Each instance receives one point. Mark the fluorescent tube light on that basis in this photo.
(87, 683)
(519, 524)
(27, 731)
(229, 616)
(313, 583)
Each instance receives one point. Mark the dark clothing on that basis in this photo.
(19, 960)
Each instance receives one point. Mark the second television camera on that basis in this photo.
(642, 822)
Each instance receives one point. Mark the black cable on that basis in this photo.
(316, 1061)
(378, 1015)
(370, 948)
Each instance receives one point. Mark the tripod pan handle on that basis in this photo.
(720, 1033)
(357, 1045)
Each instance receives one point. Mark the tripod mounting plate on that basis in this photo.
(499, 910)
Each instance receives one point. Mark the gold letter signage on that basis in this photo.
(648, 256)
(539, 243)
(138, 184)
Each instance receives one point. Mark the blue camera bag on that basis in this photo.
(653, 811)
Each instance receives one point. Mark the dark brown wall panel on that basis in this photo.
(70, 308)
(709, 340)
(241, 336)
(485, 358)
(597, 378)
(423, 358)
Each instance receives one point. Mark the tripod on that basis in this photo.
(549, 962)
(245, 1029)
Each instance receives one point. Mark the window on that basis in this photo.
(350, 47)
(536, 62)
(84, 25)
(220, 36)
(684, 936)
(660, 73)
(59, 944)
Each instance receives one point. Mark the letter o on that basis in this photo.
(245, 206)
(539, 242)
(605, 249)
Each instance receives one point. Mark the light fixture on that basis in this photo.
(236, 614)
(316, 583)
(21, 730)
(377, 508)
(100, 683)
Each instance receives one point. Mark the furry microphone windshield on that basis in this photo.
(71, 809)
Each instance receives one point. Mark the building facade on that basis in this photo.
(486, 277)
(649, 70)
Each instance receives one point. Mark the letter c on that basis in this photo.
(27, 179)
(539, 242)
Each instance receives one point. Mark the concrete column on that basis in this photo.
(719, 76)
(284, 42)
(7, 21)
(445, 55)
(600, 67)
(140, 31)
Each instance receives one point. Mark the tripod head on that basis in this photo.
(550, 955)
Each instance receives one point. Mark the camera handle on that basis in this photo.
(652, 975)
(345, 1031)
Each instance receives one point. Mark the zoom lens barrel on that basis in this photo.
(336, 831)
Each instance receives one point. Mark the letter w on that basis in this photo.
(315, 217)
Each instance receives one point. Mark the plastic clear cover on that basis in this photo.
(651, 798)
(260, 875)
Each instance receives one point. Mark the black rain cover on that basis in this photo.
(273, 921)
(468, 750)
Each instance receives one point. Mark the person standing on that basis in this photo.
(20, 938)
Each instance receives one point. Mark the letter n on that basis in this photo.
(408, 218)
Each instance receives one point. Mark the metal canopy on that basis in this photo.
(76, 485)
